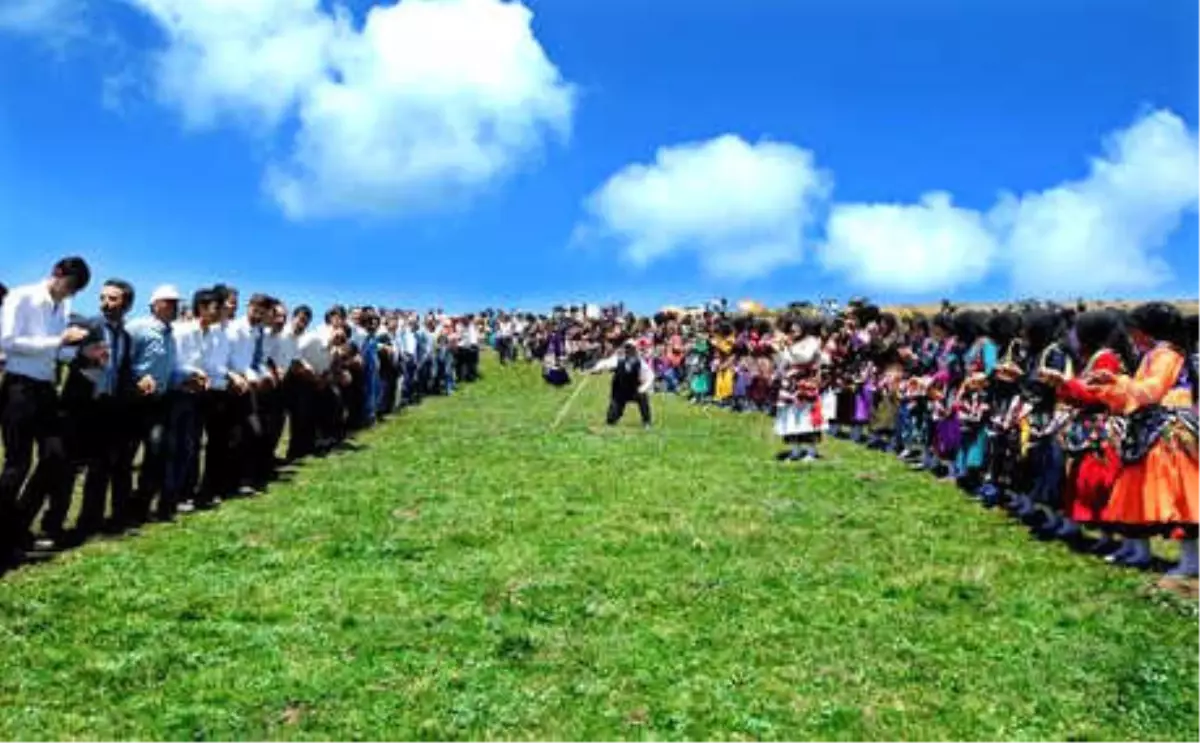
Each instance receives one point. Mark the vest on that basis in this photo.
(627, 378)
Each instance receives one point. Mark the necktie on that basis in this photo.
(257, 361)
(168, 350)
(114, 358)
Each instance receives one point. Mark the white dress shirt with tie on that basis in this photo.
(246, 351)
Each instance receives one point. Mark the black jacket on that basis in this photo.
(79, 389)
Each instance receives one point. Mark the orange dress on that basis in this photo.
(1156, 489)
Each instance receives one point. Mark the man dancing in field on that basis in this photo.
(632, 382)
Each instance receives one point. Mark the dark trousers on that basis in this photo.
(222, 435)
(301, 400)
(389, 378)
(247, 439)
(30, 415)
(426, 369)
(152, 417)
(106, 437)
(330, 414)
(185, 430)
(275, 413)
(617, 403)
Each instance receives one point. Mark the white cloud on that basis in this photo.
(741, 208)
(1100, 234)
(908, 248)
(54, 20)
(429, 99)
(1092, 236)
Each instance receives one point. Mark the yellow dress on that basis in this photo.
(724, 389)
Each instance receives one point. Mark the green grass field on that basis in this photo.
(472, 574)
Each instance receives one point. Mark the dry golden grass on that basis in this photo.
(1186, 306)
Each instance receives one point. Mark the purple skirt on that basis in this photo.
(862, 404)
(741, 384)
(947, 437)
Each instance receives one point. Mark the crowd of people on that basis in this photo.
(205, 394)
(1072, 418)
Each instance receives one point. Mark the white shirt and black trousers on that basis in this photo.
(31, 326)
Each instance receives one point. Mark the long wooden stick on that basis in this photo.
(567, 405)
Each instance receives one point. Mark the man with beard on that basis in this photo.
(99, 402)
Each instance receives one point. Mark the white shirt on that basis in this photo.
(283, 348)
(645, 373)
(406, 341)
(470, 336)
(241, 348)
(313, 348)
(31, 328)
(201, 350)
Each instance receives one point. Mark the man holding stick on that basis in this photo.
(632, 382)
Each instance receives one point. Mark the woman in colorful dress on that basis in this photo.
(979, 359)
(799, 419)
(1004, 408)
(1045, 337)
(1092, 457)
(1155, 492)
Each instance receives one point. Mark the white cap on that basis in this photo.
(165, 292)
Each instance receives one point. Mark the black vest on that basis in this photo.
(627, 378)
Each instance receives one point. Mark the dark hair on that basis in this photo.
(205, 296)
(3, 292)
(1164, 322)
(303, 310)
(1160, 321)
(126, 291)
(1096, 329)
(944, 321)
(1004, 327)
(221, 293)
(968, 326)
(76, 269)
(1041, 328)
(1192, 323)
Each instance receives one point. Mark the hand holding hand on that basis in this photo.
(73, 335)
(146, 385)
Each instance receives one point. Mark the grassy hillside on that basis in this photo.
(472, 574)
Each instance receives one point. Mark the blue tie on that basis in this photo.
(256, 362)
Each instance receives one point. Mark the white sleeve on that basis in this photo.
(14, 319)
(607, 364)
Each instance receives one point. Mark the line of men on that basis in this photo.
(205, 399)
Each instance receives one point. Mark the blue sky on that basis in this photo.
(871, 104)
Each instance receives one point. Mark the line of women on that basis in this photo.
(1070, 420)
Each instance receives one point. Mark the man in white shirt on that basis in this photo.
(248, 360)
(302, 384)
(202, 347)
(35, 336)
(469, 343)
(279, 349)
